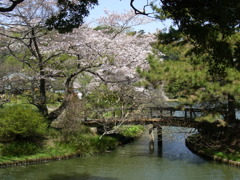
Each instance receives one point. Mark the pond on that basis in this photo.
(134, 161)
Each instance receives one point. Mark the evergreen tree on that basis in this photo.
(184, 75)
(213, 28)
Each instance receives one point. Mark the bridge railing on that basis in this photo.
(175, 112)
(146, 113)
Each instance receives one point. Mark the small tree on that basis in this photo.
(70, 121)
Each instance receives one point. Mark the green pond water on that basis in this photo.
(133, 161)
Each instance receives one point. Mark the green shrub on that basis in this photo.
(20, 148)
(83, 144)
(71, 134)
(53, 133)
(90, 144)
(20, 122)
(106, 143)
(131, 130)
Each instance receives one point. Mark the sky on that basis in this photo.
(120, 6)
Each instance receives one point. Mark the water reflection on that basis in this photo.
(77, 176)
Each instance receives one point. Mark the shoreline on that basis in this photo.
(28, 160)
(205, 155)
(38, 160)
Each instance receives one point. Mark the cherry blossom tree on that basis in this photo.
(117, 23)
(25, 31)
(50, 56)
(117, 57)
(125, 50)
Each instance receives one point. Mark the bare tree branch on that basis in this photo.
(12, 6)
(138, 11)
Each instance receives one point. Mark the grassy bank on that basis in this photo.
(215, 150)
(55, 148)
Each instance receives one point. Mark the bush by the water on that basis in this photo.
(88, 144)
(19, 148)
(131, 130)
(21, 122)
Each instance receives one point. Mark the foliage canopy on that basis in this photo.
(70, 15)
(211, 26)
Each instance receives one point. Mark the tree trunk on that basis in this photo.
(67, 98)
(43, 98)
(231, 111)
(69, 93)
(54, 114)
(34, 48)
